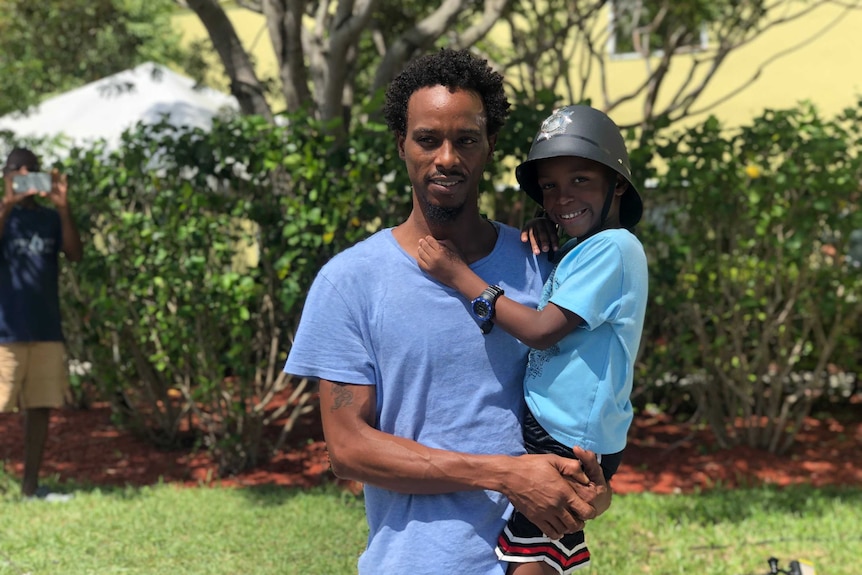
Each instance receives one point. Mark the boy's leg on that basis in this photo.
(531, 569)
(45, 388)
(35, 436)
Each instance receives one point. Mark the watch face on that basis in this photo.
(482, 308)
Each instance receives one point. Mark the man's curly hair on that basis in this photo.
(454, 69)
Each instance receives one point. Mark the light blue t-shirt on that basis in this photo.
(373, 317)
(579, 389)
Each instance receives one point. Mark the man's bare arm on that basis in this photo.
(540, 486)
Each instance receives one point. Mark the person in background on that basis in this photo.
(417, 403)
(586, 331)
(33, 368)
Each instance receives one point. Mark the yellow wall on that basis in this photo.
(826, 70)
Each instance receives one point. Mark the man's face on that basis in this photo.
(573, 193)
(445, 149)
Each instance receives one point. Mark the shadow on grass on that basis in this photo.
(10, 487)
(269, 495)
(736, 505)
(261, 495)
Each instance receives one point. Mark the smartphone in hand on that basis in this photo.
(39, 181)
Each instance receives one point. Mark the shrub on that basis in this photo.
(200, 248)
(752, 290)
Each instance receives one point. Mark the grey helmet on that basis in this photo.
(584, 132)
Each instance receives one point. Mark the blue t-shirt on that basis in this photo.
(29, 272)
(579, 389)
(373, 317)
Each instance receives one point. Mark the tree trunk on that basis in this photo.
(244, 84)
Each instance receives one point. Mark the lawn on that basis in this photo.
(217, 531)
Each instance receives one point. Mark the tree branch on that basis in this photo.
(284, 22)
(419, 38)
(244, 84)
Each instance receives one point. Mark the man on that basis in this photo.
(419, 400)
(33, 371)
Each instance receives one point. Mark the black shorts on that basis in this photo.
(523, 542)
(537, 440)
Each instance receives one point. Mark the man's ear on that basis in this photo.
(399, 142)
(492, 144)
(621, 186)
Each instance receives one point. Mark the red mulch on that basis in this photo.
(663, 456)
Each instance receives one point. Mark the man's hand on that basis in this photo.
(542, 488)
(440, 260)
(596, 493)
(59, 190)
(558, 494)
(10, 198)
(542, 235)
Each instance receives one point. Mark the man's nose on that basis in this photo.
(447, 156)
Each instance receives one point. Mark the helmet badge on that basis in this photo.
(555, 124)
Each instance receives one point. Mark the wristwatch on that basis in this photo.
(483, 307)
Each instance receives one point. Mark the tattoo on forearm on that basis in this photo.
(342, 395)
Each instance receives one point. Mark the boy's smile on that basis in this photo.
(574, 191)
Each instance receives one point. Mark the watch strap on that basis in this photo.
(490, 294)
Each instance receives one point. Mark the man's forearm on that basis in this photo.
(5, 209)
(536, 484)
(402, 465)
(72, 246)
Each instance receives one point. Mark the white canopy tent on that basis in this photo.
(105, 108)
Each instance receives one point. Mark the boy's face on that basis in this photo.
(573, 192)
(445, 149)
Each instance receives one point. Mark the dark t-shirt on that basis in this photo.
(29, 273)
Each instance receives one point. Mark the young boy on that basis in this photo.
(585, 334)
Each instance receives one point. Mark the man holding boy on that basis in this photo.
(417, 402)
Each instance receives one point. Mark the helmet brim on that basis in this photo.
(631, 204)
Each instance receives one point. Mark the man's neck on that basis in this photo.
(470, 233)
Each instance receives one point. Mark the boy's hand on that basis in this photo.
(440, 260)
(10, 198)
(542, 235)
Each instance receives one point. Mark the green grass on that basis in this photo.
(729, 532)
(164, 529)
(260, 531)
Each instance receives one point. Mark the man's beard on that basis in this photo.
(442, 215)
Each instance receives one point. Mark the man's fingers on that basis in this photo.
(559, 526)
(551, 530)
(573, 470)
(598, 492)
(590, 465)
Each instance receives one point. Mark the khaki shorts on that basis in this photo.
(33, 375)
